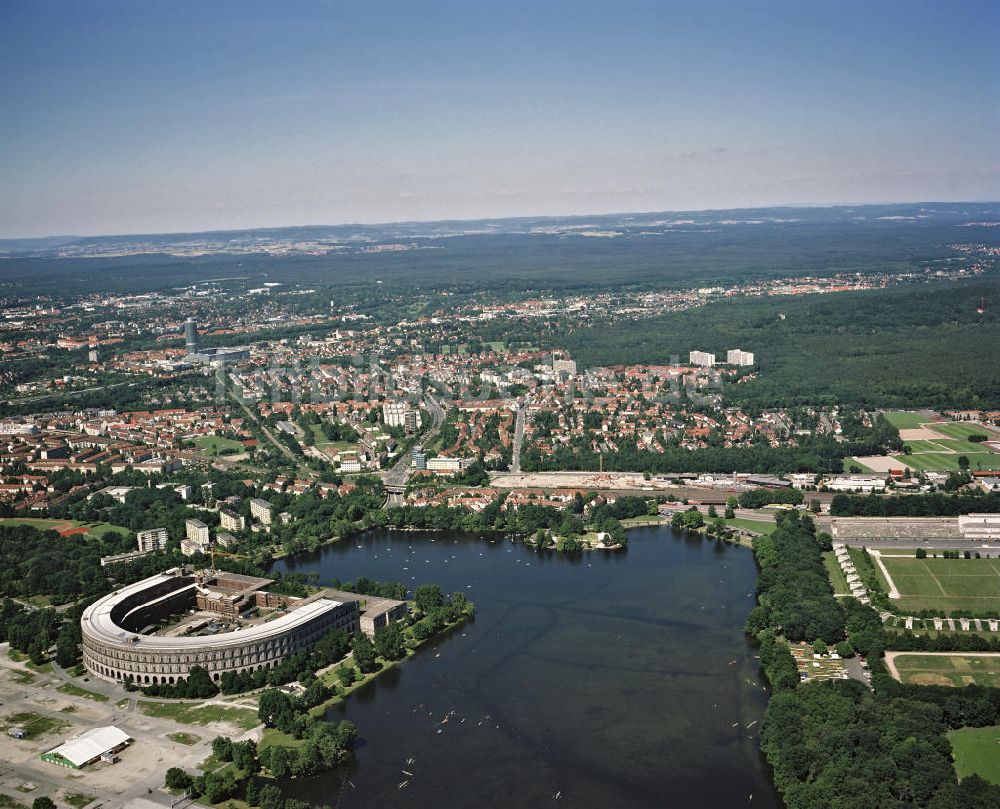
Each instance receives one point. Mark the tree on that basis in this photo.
(921, 553)
(245, 756)
(176, 778)
(730, 512)
(279, 763)
(712, 512)
(428, 596)
(275, 709)
(389, 642)
(252, 796)
(345, 674)
(269, 797)
(364, 652)
(222, 749)
(43, 802)
(814, 505)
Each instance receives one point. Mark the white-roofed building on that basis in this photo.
(90, 746)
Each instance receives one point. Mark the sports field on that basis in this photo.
(213, 445)
(906, 419)
(944, 584)
(66, 527)
(936, 446)
(953, 670)
(977, 752)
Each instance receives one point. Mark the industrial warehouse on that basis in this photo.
(156, 630)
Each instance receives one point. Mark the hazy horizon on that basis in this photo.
(556, 216)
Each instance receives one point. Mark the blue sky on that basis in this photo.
(166, 115)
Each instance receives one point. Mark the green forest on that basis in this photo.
(905, 346)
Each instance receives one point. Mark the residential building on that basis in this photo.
(232, 521)
(737, 357)
(197, 532)
(153, 539)
(702, 359)
(260, 510)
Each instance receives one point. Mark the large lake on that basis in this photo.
(608, 680)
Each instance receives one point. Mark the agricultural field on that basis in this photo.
(977, 752)
(944, 584)
(949, 669)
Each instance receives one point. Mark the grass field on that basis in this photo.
(182, 737)
(977, 752)
(94, 529)
(945, 584)
(213, 445)
(76, 691)
(837, 578)
(757, 526)
(189, 714)
(905, 419)
(962, 430)
(943, 462)
(955, 670)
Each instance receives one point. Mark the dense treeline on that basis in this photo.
(837, 744)
(934, 504)
(905, 346)
(818, 454)
(793, 587)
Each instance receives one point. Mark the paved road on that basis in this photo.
(515, 466)
(397, 474)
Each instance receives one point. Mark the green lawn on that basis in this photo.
(837, 578)
(977, 751)
(905, 419)
(938, 462)
(76, 691)
(181, 737)
(945, 584)
(952, 670)
(213, 445)
(78, 800)
(190, 714)
(757, 526)
(962, 430)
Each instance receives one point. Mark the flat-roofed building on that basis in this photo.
(703, 359)
(231, 521)
(152, 539)
(197, 531)
(260, 510)
(737, 357)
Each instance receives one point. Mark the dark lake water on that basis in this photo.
(609, 680)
